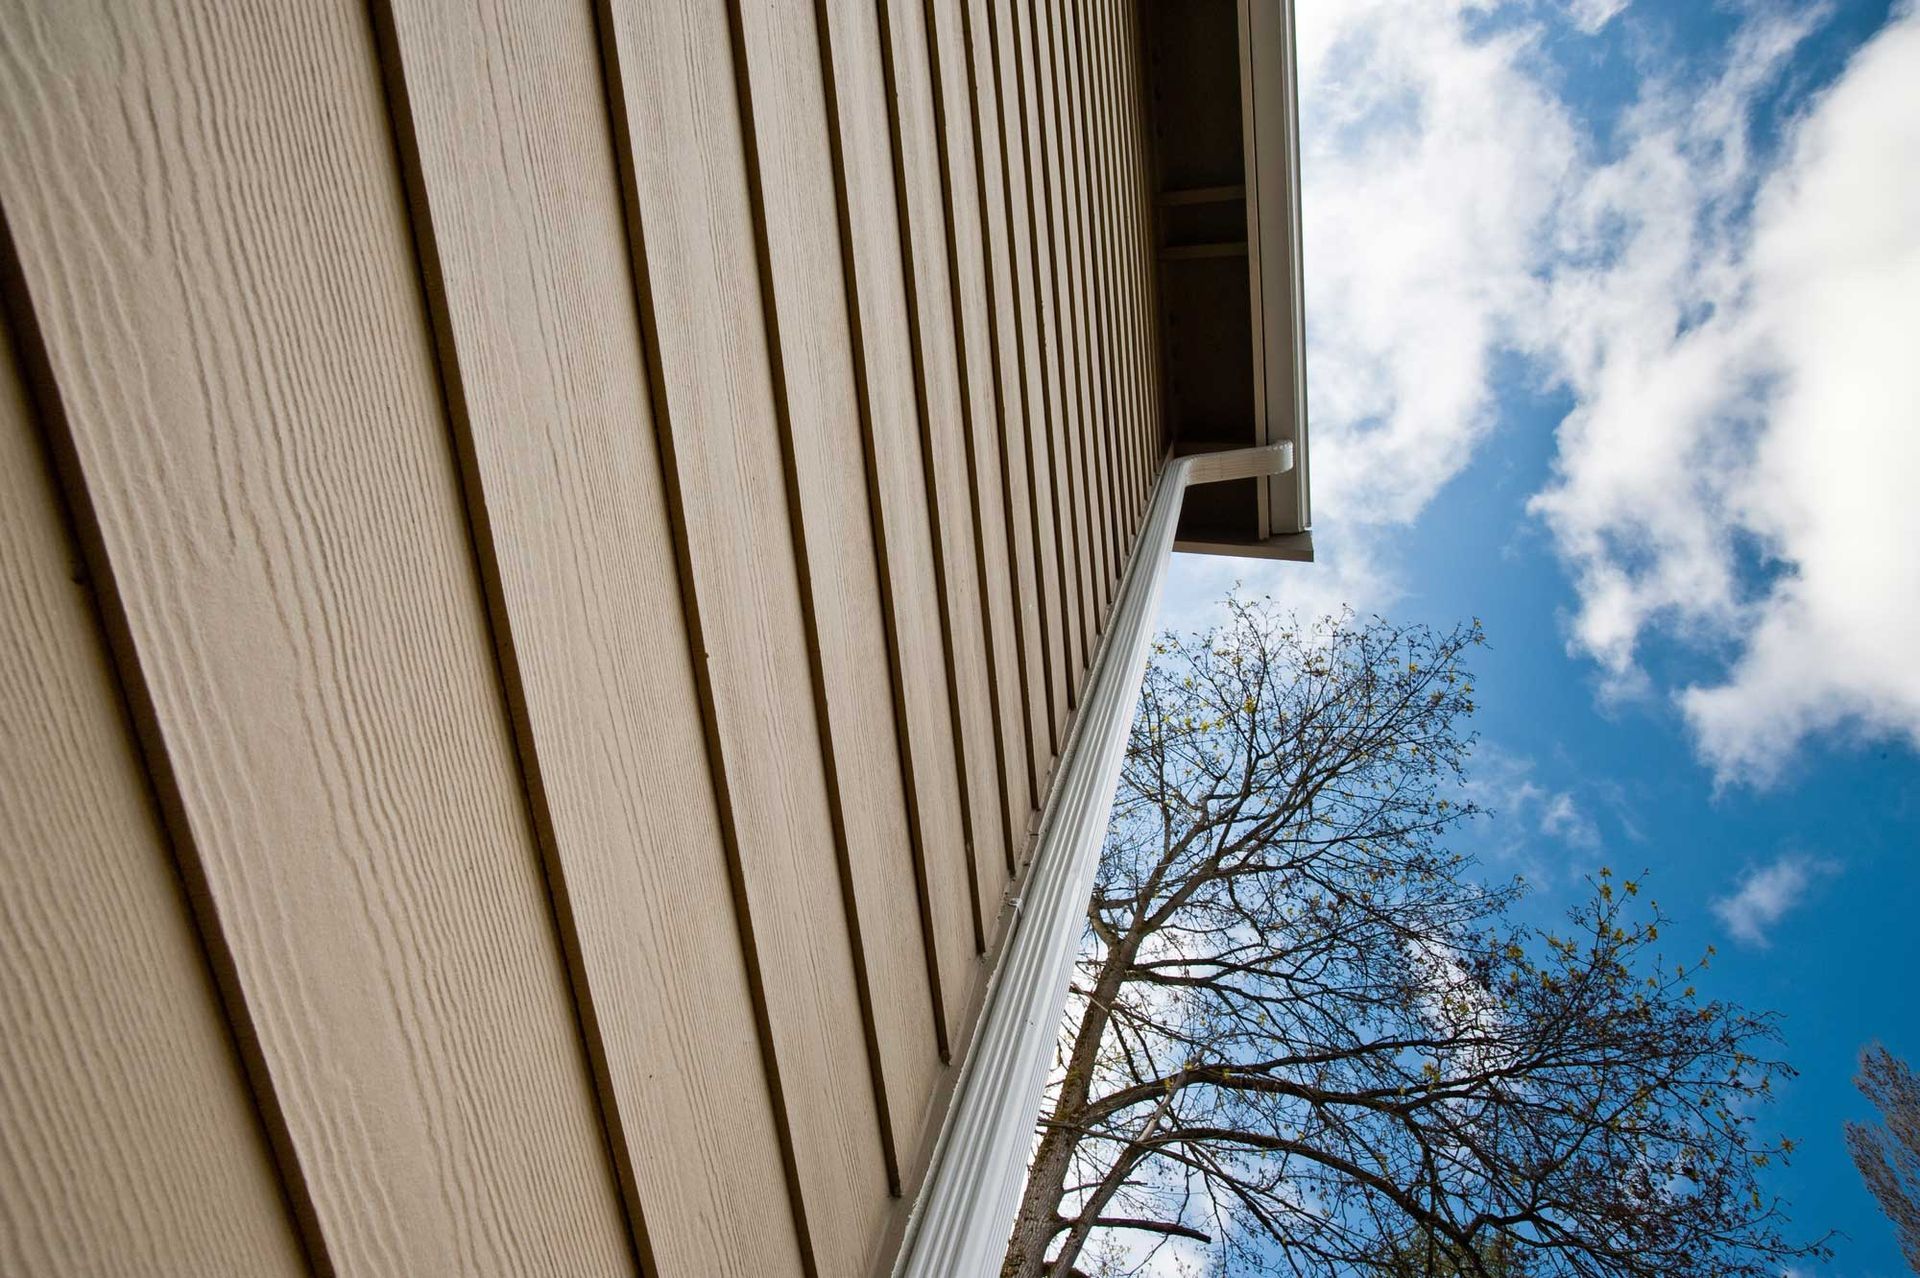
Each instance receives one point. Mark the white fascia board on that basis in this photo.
(1270, 118)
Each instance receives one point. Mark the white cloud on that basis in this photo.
(1536, 829)
(1766, 894)
(1563, 819)
(1349, 574)
(1591, 15)
(1837, 266)
(1431, 161)
(1736, 332)
(1748, 403)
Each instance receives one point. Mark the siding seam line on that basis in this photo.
(803, 571)
(889, 611)
(1026, 407)
(1073, 352)
(1032, 513)
(1148, 144)
(923, 411)
(1072, 406)
(1064, 703)
(1128, 181)
(1093, 46)
(1000, 421)
(61, 455)
(968, 427)
(483, 549)
(1114, 186)
(613, 80)
(1099, 369)
(1127, 94)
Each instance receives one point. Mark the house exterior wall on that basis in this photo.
(549, 552)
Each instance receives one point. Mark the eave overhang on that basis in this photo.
(1225, 124)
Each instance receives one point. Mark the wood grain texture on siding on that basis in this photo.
(1006, 177)
(1106, 248)
(1141, 163)
(133, 1146)
(944, 439)
(1111, 25)
(891, 442)
(968, 266)
(828, 491)
(690, 218)
(1004, 328)
(541, 343)
(1093, 332)
(1032, 320)
(1109, 247)
(1071, 406)
(1079, 341)
(1130, 107)
(214, 239)
(1134, 208)
(1106, 351)
(1061, 420)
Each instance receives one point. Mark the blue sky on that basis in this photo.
(1614, 343)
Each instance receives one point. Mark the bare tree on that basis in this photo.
(1304, 1039)
(1888, 1156)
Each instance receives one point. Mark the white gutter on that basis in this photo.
(960, 1225)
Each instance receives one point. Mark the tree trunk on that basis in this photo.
(1039, 1218)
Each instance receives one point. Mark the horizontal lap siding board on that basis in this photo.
(1026, 429)
(1101, 339)
(695, 253)
(1122, 193)
(1079, 346)
(1062, 418)
(1106, 238)
(827, 484)
(973, 324)
(1127, 192)
(1005, 326)
(1114, 192)
(522, 219)
(215, 247)
(1095, 337)
(944, 441)
(1137, 213)
(1074, 416)
(133, 1143)
(1140, 164)
(891, 442)
(1141, 217)
(1019, 130)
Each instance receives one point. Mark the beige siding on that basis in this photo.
(594, 521)
(1135, 205)
(1096, 366)
(541, 350)
(970, 280)
(1067, 422)
(215, 248)
(713, 353)
(131, 1137)
(827, 487)
(1030, 323)
(896, 479)
(938, 351)
(1011, 420)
